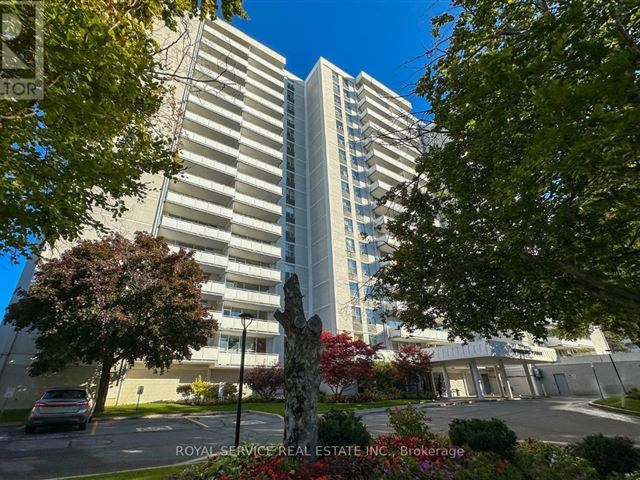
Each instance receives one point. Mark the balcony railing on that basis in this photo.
(212, 287)
(251, 359)
(204, 257)
(265, 327)
(198, 204)
(255, 247)
(193, 228)
(251, 297)
(254, 271)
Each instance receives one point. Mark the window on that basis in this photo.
(291, 163)
(364, 229)
(345, 188)
(290, 96)
(373, 340)
(289, 253)
(369, 292)
(368, 269)
(290, 108)
(361, 211)
(350, 244)
(352, 118)
(353, 146)
(346, 206)
(356, 315)
(364, 248)
(339, 126)
(335, 76)
(291, 125)
(341, 143)
(290, 197)
(291, 86)
(235, 312)
(232, 343)
(348, 225)
(291, 180)
(353, 289)
(357, 176)
(355, 160)
(372, 317)
(342, 156)
(336, 100)
(291, 148)
(353, 132)
(290, 233)
(291, 135)
(352, 267)
(338, 111)
(289, 270)
(344, 172)
(290, 214)
(361, 193)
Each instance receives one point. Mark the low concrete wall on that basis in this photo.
(581, 379)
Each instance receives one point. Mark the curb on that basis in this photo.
(609, 408)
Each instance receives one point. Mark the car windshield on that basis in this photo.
(65, 394)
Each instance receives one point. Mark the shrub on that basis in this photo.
(488, 466)
(483, 435)
(609, 455)
(265, 381)
(409, 421)
(230, 391)
(184, 391)
(545, 461)
(203, 391)
(634, 394)
(342, 429)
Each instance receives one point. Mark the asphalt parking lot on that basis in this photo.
(113, 445)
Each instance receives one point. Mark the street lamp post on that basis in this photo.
(593, 367)
(245, 319)
(624, 390)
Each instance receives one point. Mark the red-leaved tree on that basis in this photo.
(265, 381)
(345, 361)
(413, 364)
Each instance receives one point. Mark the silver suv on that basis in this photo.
(62, 406)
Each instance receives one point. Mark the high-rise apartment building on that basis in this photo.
(282, 176)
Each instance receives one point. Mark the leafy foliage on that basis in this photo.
(409, 421)
(203, 390)
(488, 466)
(341, 428)
(483, 436)
(609, 455)
(529, 210)
(265, 381)
(114, 300)
(412, 364)
(546, 461)
(89, 141)
(345, 361)
(384, 383)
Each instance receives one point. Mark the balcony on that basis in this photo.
(227, 54)
(379, 188)
(257, 327)
(274, 71)
(251, 126)
(203, 211)
(387, 244)
(203, 257)
(430, 335)
(271, 155)
(254, 271)
(245, 225)
(210, 143)
(254, 250)
(376, 156)
(390, 209)
(248, 204)
(578, 343)
(209, 106)
(258, 188)
(265, 106)
(257, 79)
(251, 359)
(185, 231)
(210, 128)
(188, 183)
(205, 167)
(249, 297)
(223, 67)
(221, 36)
(378, 172)
(213, 288)
(261, 170)
(203, 355)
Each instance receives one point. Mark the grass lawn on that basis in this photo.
(146, 474)
(164, 408)
(632, 404)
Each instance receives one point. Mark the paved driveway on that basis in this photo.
(555, 419)
(110, 445)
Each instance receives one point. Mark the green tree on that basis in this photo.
(529, 211)
(87, 143)
(114, 300)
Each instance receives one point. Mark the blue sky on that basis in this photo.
(382, 37)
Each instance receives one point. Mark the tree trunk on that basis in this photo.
(301, 372)
(103, 385)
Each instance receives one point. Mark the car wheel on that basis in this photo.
(29, 429)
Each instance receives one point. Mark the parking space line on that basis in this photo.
(94, 426)
(193, 420)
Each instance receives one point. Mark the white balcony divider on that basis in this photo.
(206, 184)
(193, 228)
(251, 359)
(198, 204)
(254, 271)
